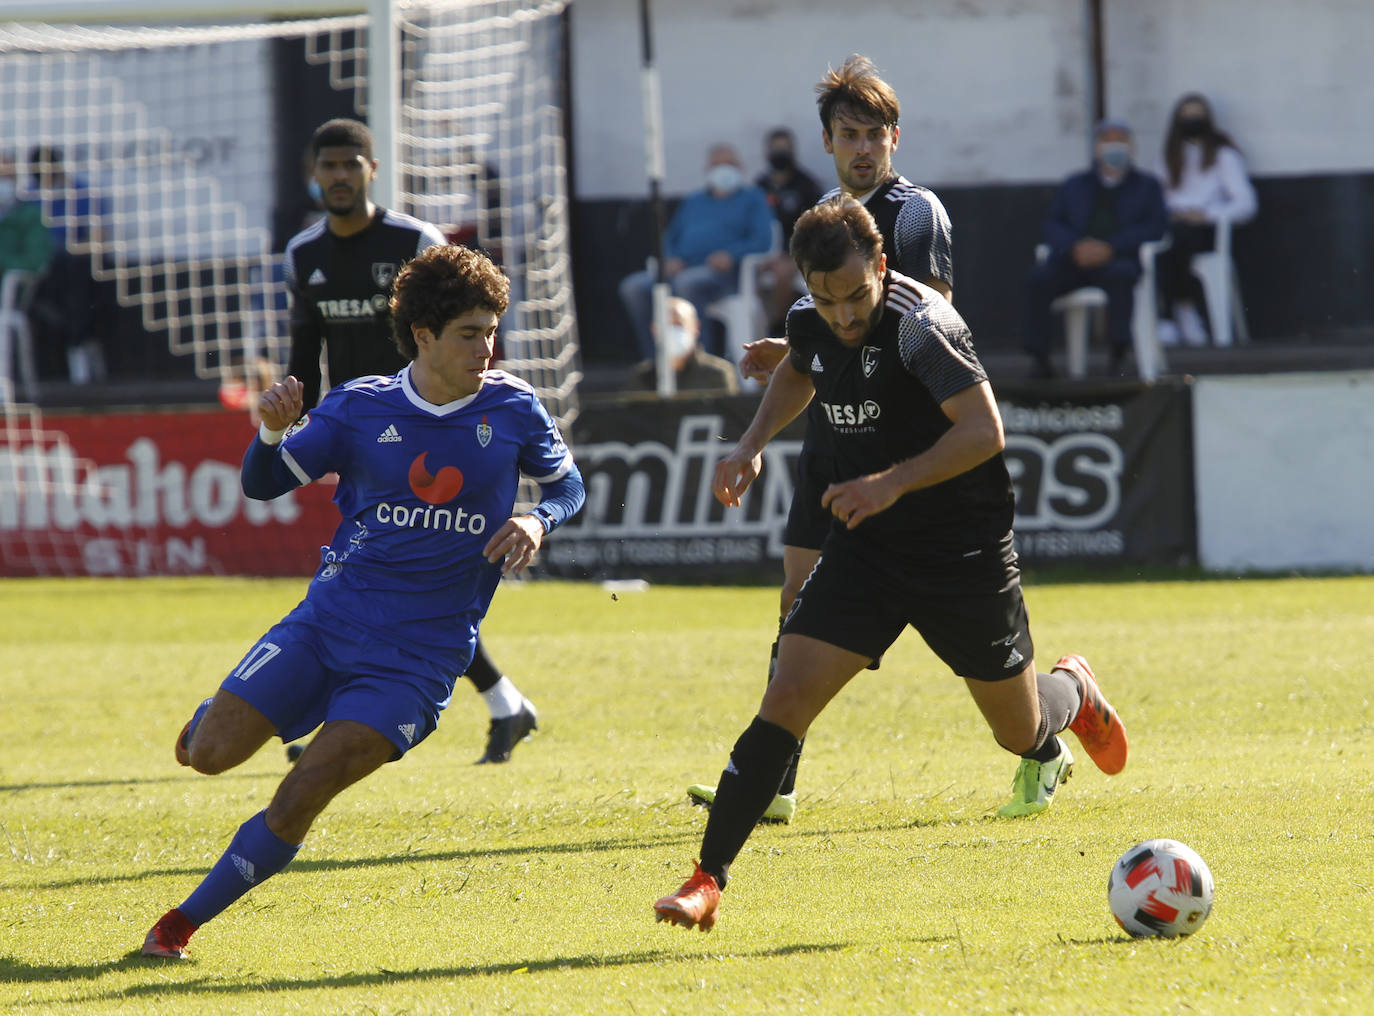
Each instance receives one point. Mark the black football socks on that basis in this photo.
(746, 788)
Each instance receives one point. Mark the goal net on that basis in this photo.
(183, 174)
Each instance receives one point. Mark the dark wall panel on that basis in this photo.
(1306, 263)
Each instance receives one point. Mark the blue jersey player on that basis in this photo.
(428, 463)
(339, 272)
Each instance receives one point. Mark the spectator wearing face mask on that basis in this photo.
(791, 190)
(1205, 181)
(1094, 229)
(695, 369)
(712, 229)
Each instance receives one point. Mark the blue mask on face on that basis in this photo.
(724, 178)
(1114, 155)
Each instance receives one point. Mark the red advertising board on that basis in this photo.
(148, 493)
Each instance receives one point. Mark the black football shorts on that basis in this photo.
(972, 615)
(807, 521)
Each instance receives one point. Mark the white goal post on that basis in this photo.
(473, 114)
(167, 115)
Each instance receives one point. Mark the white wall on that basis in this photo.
(1290, 81)
(993, 91)
(1284, 469)
(989, 91)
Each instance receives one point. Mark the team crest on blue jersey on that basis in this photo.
(869, 360)
(484, 433)
(384, 273)
(297, 427)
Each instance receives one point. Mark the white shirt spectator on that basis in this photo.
(1220, 191)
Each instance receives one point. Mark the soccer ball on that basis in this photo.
(1160, 889)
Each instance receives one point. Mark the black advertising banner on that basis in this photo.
(1103, 478)
(650, 512)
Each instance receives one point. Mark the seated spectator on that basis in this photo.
(710, 232)
(1094, 230)
(1205, 181)
(695, 369)
(791, 190)
(73, 311)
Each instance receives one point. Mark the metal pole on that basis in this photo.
(655, 162)
(384, 97)
(1097, 63)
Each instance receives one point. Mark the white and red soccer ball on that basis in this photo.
(1160, 889)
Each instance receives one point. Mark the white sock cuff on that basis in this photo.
(503, 699)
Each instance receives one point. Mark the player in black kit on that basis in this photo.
(339, 272)
(920, 534)
(859, 113)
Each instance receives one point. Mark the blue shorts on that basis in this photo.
(311, 668)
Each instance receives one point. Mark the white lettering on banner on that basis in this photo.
(649, 490)
(48, 488)
(1054, 543)
(700, 550)
(1072, 482)
(1061, 419)
(105, 555)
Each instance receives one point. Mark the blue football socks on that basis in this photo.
(254, 855)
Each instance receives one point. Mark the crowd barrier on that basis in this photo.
(1101, 480)
(1234, 473)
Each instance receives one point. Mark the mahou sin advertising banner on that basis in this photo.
(130, 494)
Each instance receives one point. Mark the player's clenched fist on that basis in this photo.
(281, 405)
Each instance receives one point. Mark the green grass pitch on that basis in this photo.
(439, 887)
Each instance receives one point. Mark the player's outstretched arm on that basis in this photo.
(975, 437)
(761, 357)
(789, 392)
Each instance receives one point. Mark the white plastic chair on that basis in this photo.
(1085, 311)
(16, 293)
(1216, 270)
(742, 313)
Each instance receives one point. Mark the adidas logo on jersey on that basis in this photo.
(245, 868)
(389, 436)
(408, 732)
(816, 367)
(316, 278)
(1014, 660)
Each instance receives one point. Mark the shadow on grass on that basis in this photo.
(1105, 940)
(350, 863)
(18, 971)
(186, 776)
(635, 842)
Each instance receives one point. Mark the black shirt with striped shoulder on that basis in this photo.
(340, 287)
(918, 242)
(918, 237)
(879, 404)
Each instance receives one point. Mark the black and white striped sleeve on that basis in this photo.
(924, 236)
(936, 347)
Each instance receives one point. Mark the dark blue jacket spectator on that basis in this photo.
(1094, 230)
